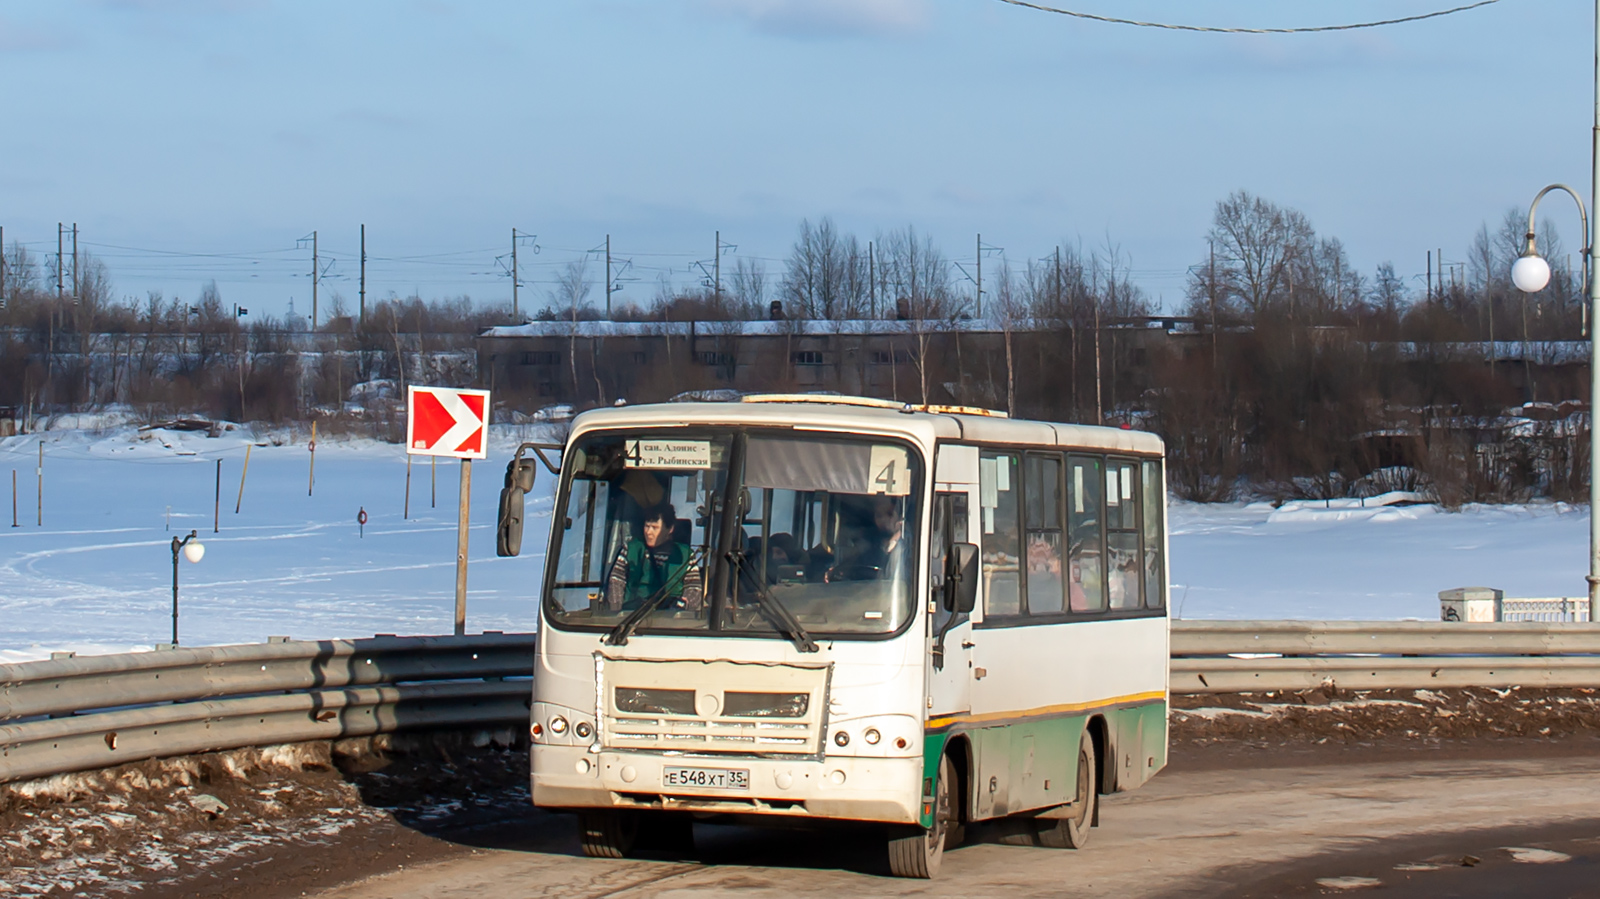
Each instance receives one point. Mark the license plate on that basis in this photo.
(707, 778)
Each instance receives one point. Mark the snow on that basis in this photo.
(1343, 560)
(96, 578)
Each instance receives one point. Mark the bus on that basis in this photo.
(826, 608)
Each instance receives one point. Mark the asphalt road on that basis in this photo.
(1418, 826)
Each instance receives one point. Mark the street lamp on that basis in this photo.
(1530, 273)
(189, 548)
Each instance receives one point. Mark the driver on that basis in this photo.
(872, 558)
(644, 566)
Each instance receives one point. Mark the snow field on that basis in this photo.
(96, 577)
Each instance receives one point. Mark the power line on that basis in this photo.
(1217, 30)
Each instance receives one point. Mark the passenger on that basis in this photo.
(644, 566)
(783, 552)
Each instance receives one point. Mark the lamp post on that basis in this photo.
(1530, 273)
(189, 548)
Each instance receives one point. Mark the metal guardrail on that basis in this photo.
(1254, 656)
(74, 714)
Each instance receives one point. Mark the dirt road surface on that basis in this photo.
(1198, 832)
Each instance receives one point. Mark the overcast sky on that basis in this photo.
(194, 140)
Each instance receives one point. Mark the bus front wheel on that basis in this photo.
(918, 851)
(1073, 832)
(608, 833)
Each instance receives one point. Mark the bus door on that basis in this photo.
(949, 678)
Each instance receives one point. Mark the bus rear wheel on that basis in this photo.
(608, 833)
(919, 851)
(1073, 832)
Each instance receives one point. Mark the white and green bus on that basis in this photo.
(809, 607)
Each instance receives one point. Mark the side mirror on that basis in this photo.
(961, 582)
(520, 474)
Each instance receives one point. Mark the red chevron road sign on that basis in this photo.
(447, 421)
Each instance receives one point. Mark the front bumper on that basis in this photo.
(857, 789)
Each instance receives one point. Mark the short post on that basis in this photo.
(407, 513)
(461, 547)
(311, 476)
(240, 501)
(433, 474)
(361, 522)
(40, 472)
(216, 501)
(14, 498)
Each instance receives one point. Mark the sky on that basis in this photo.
(193, 141)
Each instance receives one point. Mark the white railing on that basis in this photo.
(1560, 608)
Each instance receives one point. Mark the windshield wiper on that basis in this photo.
(770, 604)
(619, 634)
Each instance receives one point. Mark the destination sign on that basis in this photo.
(667, 454)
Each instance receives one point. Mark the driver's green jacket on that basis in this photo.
(641, 570)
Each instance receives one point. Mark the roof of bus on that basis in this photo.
(927, 426)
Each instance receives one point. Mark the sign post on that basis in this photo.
(451, 422)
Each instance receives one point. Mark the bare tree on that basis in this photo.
(749, 283)
(567, 299)
(825, 276)
(1009, 310)
(1257, 243)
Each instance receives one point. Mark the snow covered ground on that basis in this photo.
(1342, 560)
(96, 577)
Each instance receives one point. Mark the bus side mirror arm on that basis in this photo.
(520, 475)
(960, 593)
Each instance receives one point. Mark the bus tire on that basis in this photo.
(606, 833)
(918, 851)
(1073, 832)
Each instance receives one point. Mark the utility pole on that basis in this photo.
(979, 250)
(608, 281)
(59, 285)
(75, 291)
(3, 270)
(514, 276)
(1099, 398)
(314, 280)
(716, 267)
(1211, 288)
(363, 313)
(872, 278)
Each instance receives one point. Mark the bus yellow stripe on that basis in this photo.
(1048, 711)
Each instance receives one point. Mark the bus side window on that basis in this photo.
(998, 486)
(1042, 502)
(1086, 585)
(1123, 565)
(1155, 579)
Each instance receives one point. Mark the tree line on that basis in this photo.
(1298, 374)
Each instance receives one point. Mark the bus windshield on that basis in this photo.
(823, 525)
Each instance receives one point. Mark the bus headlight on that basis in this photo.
(841, 739)
(582, 729)
(872, 736)
(558, 725)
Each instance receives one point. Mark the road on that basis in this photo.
(1189, 833)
